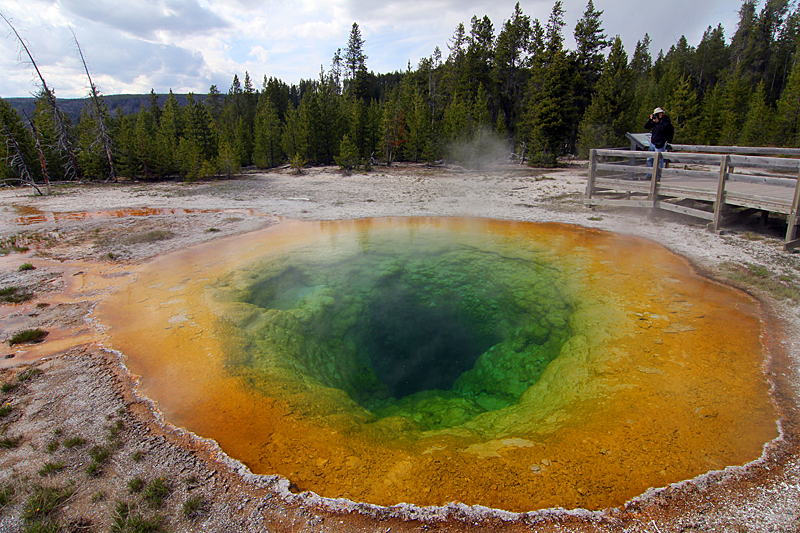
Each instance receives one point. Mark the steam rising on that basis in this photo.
(485, 149)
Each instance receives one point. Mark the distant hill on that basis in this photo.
(129, 103)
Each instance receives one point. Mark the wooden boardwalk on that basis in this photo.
(718, 187)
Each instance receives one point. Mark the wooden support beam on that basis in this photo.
(720, 199)
(592, 173)
(791, 220)
(655, 176)
(697, 213)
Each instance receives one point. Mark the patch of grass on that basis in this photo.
(28, 374)
(115, 430)
(52, 446)
(149, 236)
(6, 495)
(43, 502)
(98, 497)
(156, 492)
(51, 468)
(137, 456)
(5, 410)
(28, 336)
(14, 295)
(759, 277)
(136, 523)
(212, 230)
(136, 485)
(99, 455)
(8, 387)
(759, 271)
(751, 236)
(11, 244)
(195, 507)
(26, 266)
(9, 443)
(48, 526)
(74, 442)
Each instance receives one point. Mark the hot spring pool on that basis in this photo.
(427, 360)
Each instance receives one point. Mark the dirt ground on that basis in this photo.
(80, 450)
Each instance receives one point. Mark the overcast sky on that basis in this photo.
(187, 45)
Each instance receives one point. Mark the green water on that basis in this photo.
(431, 326)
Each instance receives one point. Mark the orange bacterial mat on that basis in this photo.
(602, 365)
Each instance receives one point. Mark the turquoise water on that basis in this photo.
(419, 325)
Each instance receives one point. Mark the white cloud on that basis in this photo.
(134, 45)
(260, 53)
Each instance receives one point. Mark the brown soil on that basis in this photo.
(79, 412)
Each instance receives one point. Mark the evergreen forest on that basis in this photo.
(513, 89)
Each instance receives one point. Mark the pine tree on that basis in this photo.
(267, 151)
(787, 117)
(552, 112)
(682, 108)
(757, 127)
(590, 41)
(609, 115)
(395, 129)
(711, 115)
(511, 57)
(480, 51)
(734, 103)
(20, 158)
(355, 61)
(711, 58)
(293, 138)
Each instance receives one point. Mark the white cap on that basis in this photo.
(658, 110)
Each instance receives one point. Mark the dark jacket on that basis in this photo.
(662, 131)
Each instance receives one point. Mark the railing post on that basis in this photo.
(592, 173)
(791, 220)
(656, 175)
(720, 201)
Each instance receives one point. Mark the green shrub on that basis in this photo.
(7, 443)
(26, 266)
(195, 507)
(149, 236)
(43, 502)
(28, 336)
(14, 295)
(73, 442)
(51, 468)
(156, 492)
(8, 387)
(28, 374)
(136, 485)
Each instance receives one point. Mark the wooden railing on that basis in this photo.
(735, 177)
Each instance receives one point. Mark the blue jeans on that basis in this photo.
(650, 159)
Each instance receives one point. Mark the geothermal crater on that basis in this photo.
(511, 365)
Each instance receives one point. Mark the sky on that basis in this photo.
(133, 46)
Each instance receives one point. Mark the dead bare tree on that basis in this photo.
(101, 130)
(39, 151)
(15, 157)
(60, 121)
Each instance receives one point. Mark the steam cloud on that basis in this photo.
(485, 149)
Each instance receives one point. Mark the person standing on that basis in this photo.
(662, 133)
